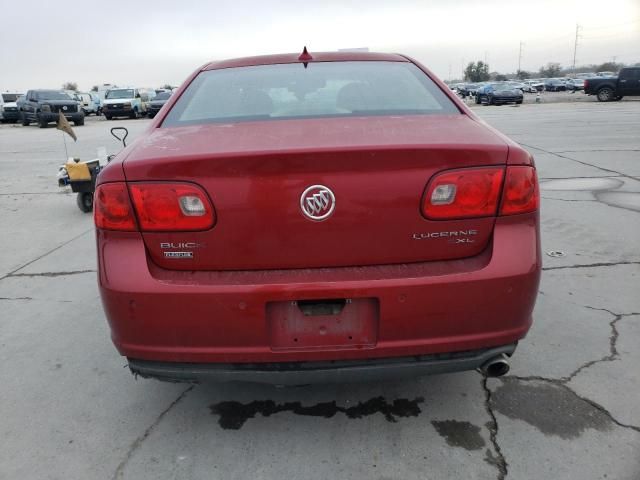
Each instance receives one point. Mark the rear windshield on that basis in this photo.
(323, 89)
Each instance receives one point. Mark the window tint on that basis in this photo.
(282, 91)
(631, 73)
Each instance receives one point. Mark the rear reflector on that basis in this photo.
(112, 208)
(521, 193)
(464, 193)
(172, 207)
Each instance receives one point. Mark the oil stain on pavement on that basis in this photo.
(233, 415)
(553, 409)
(459, 434)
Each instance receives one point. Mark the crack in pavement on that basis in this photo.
(140, 440)
(580, 161)
(46, 253)
(613, 354)
(596, 200)
(50, 274)
(16, 298)
(590, 265)
(569, 200)
(613, 340)
(35, 193)
(498, 460)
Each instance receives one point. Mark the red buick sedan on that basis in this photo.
(309, 218)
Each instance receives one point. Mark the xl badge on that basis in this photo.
(317, 202)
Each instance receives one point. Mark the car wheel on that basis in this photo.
(41, 122)
(85, 201)
(605, 94)
(79, 122)
(25, 120)
(518, 102)
(108, 117)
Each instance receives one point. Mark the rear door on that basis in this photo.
(629, 81)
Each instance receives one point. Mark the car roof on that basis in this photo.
(295, 58)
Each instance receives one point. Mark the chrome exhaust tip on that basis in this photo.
(496, 367)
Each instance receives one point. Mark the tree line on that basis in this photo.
(479, 71)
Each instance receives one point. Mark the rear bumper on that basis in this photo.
(302, 373)
(220, 317)
(9, 115)
(117, 112)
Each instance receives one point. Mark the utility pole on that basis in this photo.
(520, 58)
(575, 48)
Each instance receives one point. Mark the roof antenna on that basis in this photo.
(305, 57)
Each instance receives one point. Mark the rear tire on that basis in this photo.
(85, 201)
(25, 120)
(605, 94)
(79, 123)
(108, 117)
(41, 122)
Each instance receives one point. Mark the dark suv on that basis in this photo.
(44, 106)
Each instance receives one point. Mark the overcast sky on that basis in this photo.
(150, 43)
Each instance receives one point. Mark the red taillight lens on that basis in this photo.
(464, 193)
(112, 208)
(172, 207)
(521, 193)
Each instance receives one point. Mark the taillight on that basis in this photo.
(464, 193)
(112, 208)
(521, 193)
(475, 192)
(172, 207)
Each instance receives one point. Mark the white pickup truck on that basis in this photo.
(127, 102)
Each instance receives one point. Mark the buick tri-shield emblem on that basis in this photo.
(317, 202)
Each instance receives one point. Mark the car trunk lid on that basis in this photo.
(255, 173)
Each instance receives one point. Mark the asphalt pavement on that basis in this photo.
(70, 409)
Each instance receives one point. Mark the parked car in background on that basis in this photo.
(126, 102)
(90, 102)
(516, 85)
(574, 84)
(9, 107)
(606, 74)
(499, 93)
(554, 85)
(469, 89)
(44, 106)
(157, 103)
(584, 75)
(533, 86)
(606, 89)
(306, 159)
